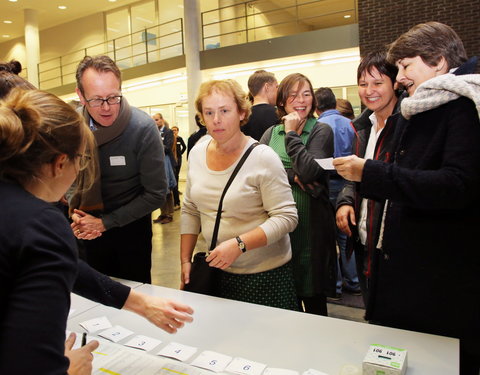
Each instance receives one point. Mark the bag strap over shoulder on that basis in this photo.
(229, 182)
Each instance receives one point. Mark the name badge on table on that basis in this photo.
(116, 161)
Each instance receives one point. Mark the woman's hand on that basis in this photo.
(345, 216)
(350, 167)
(293, 122)
(85, 226)
(164, 313)
(302, 186)
(185, 274)
(80, 359)
(224, 254)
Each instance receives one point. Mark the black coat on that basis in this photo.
(429, 266)
(350, 196)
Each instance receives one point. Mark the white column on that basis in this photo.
(32, 44)
(192, 56)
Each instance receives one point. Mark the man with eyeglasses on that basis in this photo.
(113, 217)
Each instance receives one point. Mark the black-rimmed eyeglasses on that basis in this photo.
(111, 100)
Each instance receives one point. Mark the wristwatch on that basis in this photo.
(241, 244)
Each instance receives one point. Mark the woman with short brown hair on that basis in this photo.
(427, 271)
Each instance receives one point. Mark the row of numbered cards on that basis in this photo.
(208, 360)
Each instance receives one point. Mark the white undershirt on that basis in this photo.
(369, 154)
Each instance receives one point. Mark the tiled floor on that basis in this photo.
(166, 264)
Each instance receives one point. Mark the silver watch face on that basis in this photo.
(241, 244)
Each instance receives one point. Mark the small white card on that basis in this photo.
(143, 342)
(116, 161)
(279, 371)
(177, 351)
(245, 367)
(96, 324)
(326, 163)
(116, 333)
(212, 361)
(311, 371)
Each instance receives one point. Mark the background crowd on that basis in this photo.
(393, 220)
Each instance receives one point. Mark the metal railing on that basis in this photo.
(264, 19)
(142, 47)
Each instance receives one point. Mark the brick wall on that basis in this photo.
(382, 21)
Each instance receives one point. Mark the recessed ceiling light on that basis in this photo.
(13, 1)
(7, 21)
(6, 35)
(62, 7)
(347, 16)
(112, 1)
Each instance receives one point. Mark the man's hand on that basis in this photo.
(86, 226)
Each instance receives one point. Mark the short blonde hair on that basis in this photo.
(228, 87)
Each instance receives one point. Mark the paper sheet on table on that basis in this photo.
(115, 359)
(326, 163)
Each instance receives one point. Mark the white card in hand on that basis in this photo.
(115, 334)
(212, 361)
(279, 371)
(143, 342)
(311, 371)
(96, 324)
(177, 351)
(326, 163)
(245, 367)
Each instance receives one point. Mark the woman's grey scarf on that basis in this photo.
(440, 90)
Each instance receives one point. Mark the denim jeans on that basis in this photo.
(347, 271)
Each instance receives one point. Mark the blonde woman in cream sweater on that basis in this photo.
(253, 247)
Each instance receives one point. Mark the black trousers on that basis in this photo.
(124, 252)
(176, 195)
(314, 305)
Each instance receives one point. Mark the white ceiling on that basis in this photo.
(48, 13)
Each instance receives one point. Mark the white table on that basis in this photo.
(281, 338)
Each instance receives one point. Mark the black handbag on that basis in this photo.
(203, 278)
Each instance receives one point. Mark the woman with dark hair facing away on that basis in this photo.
(42, 149)
(358, 217)
(427, 273)
(299, 140)
(9, 78)
(345, 108)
